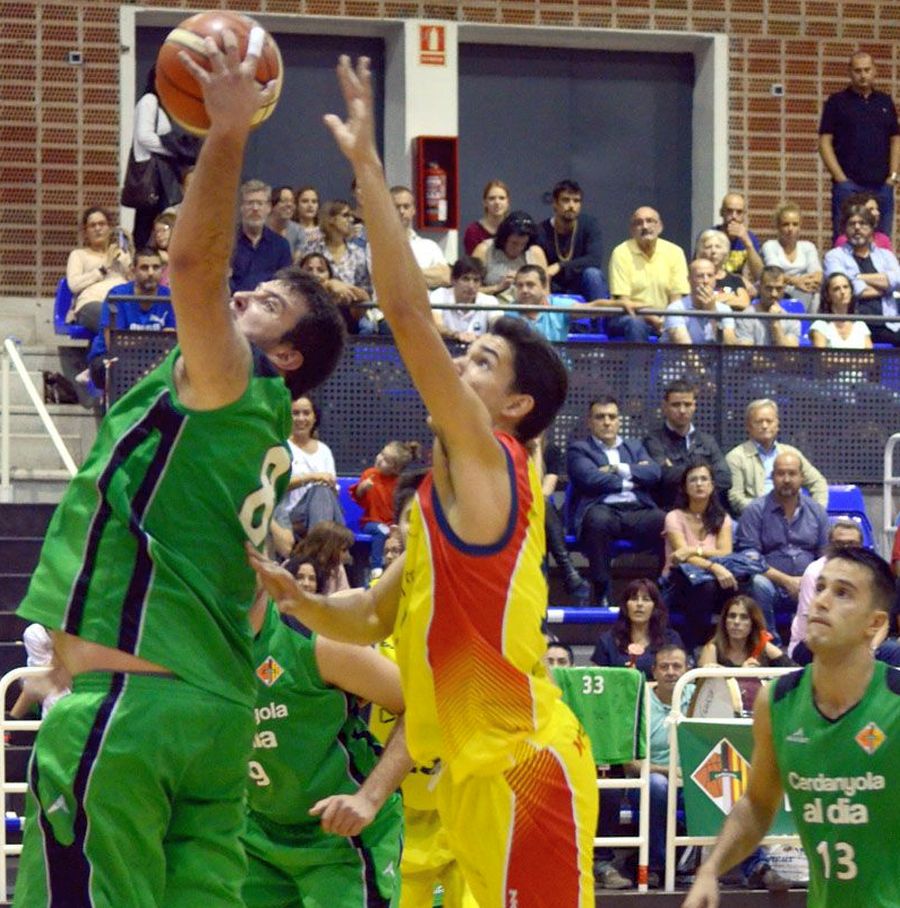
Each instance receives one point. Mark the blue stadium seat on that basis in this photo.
(350, 506)
(62, 302)
(846, 501)
(557, 614)
(796, 307)
(587, 338)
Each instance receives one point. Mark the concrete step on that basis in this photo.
(24, 520)
(28, 489)
(34, 452)
(12, 590)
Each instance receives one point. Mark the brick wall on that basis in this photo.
(59, 123)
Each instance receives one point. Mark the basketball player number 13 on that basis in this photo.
(256, 511)
(844, 855)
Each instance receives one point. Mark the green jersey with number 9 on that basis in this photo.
(145, 552)
(841, 778)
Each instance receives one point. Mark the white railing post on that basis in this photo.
(5, 486)
(889, 482)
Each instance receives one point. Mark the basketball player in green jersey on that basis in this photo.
(828, 735)
(139, 775)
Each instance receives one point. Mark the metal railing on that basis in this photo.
(890, 482)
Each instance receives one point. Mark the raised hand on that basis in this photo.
(355, 136)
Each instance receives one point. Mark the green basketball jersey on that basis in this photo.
(145, 552)
(609, 704)
(310, 740)
(840, 777)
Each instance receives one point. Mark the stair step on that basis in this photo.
(20, 555)
(12, 589)
(24, 519)
(34, 450)
(11, 626)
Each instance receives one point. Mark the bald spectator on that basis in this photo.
(859, 142)
(751, 462)
(695, 329)
(427, 253)
(645, 271)
(259, 252)
(780, 332)
(790, 531)
(744, 257)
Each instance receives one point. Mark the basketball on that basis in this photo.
(179, 92)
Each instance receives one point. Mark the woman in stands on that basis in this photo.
(159, 242)
(514, 245)
(495, 200)
(696, 530)
(741, 639)
(641, 628)
(307, 213)
(715, 246)
(799, 259)
(327, 545)
(93, 269)
(838, 298)
(312, 490)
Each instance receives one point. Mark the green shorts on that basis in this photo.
(303, 867)
(137, 785)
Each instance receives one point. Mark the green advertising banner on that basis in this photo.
(715, 762)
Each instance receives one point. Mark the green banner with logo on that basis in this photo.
(715, 763)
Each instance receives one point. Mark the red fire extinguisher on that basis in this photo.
(435, 195)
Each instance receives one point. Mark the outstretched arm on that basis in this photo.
(215, 357)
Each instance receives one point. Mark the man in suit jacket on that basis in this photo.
(751, 461)
(612, 480)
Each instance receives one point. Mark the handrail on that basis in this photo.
(888, 527)
(11, 354)
(676, 716)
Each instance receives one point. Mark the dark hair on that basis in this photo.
(671, 648)
(316, 255)
(407, 484)
(555, 641)
(467, 264)
(396, 190)
(276, 194)
(295, 562)
(317, 414)
(150, 83)
(714, 515)
(324, 545)
(565, 186)
(772, 271)
(857, 198)
(516, 223)
(94, 210)
(884, 585)
(147, 252)
(330, 209)
(603, 400)
(842, 523)
(535, 269)
(757, 626)
(857, 211)
(825, 296)
(679, 386)
(537, 371)
(318, 334)
(659, 617)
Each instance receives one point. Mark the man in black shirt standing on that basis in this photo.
(859, 141)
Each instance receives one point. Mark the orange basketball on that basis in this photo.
(179, 91)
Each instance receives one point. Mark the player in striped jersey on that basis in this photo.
(516, 791)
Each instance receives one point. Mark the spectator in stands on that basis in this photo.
(307, 213)
(532, 289)
(697, 532)
(95, 268)
(789, 530)
(375, 493)
(859, 142)
(132, 315)
(776, 332)
(639, 631)
(572, 243)
(730, 288)
(159, 242)
(613, 481)
(870, 201)
(304, 569)
(495, 200)
(258, 251)
(316, 264)
(575, 584)
(751, 461)
(838, 299)
(427, 253)
(513, 246)
(678, 441)
(744, 258)
(558, 655)
(741, 639)
(645, 272)
(466, 277)
(875, 273)
(281, 219)
(681, 329)
(327, 545)
(843, 533)
(311, 494)
(798, 259)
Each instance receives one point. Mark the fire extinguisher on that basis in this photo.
(435, 195)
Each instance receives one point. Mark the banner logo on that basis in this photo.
(269, 671)
(723, 775)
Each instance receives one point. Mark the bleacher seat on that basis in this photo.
(619, 546)
(62, 302)
(350, 507)
(797, 307)
(846, 501)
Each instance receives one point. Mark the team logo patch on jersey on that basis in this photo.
(723, 775)
(269, 671)
(870, 738)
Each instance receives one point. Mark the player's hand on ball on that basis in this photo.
(277, 582)
(344, 814)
